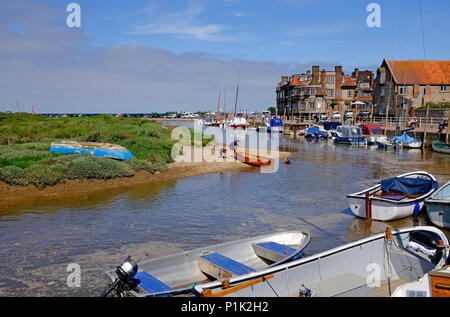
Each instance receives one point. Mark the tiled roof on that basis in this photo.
(348, 81)
(420, 72)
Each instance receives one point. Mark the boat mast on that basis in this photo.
(237, 94)
(218, 104)
(224, 104)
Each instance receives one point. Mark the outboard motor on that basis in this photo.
(124, 281)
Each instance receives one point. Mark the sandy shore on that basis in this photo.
(179, 169)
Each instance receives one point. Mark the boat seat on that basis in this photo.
(150, 283)
(216, 265)
(272, 251)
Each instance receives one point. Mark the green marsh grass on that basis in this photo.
(25, 142)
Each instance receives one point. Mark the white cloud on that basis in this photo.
(184, 24)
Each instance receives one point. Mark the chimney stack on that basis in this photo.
(315, 73)
(339, 77)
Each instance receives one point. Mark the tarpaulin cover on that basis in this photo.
(411, 186)
(331, 125)
(313, 130)
(276, 122)
(405, 138)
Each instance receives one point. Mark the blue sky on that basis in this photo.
(155, 55)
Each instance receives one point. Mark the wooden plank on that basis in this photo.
(440, 283)
(208, 293)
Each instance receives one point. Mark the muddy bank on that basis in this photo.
(178, 169)
(82, 187)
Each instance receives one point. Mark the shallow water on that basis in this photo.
(39, 239)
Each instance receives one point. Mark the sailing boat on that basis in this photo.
(408, 142)
(238, 121)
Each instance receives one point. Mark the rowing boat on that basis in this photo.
(394, 198)
(357, 269)
(438, 207)
(94, 148)
(177, 273)
(253, 160)
(441, 147)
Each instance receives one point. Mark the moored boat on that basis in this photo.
(96, 149)
(363, 268)
(177, 273)
(386, 144)
(441, 147)
(371, 132)
(394, 198)
(438, 207)
(239, 122)
(406, 141)
(347, 135)
(315, 132)
(275, 125)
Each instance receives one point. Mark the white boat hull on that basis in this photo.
(382, 210)
(385, 209)
(411, 145)
(355, 269)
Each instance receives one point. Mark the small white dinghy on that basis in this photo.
(394, 198)
(364, 268)
(178, 273)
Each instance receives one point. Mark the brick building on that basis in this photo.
(322, 91)
(407, 85)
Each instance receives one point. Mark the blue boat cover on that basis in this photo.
(405, 138)
(330, 125)
(411, 186)
(313, 130)
(276, 122)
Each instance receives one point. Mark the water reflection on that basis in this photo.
(40, 237)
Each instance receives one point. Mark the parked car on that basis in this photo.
(336, 115)
(348, 114)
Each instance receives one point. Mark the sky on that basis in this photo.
(177, 55)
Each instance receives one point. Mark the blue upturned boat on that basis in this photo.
(348, 135)
(96, 149)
